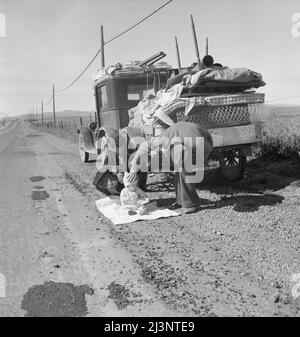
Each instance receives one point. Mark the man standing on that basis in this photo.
(186, 194)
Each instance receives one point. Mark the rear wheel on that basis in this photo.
(84, 156)
(232, 164)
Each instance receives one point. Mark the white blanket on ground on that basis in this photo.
(112, 209)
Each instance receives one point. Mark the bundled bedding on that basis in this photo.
(186, 97)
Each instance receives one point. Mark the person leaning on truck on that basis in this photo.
(186, 194)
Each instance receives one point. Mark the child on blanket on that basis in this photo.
(132, 197)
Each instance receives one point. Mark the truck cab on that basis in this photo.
(116, 95)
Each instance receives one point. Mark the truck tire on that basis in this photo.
(232, 164)
(84, 156)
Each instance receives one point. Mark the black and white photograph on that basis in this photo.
(149, 161)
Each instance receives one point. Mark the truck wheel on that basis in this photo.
(232, 164)
(84, 156)
(142, 176)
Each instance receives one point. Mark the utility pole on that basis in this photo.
(102, 48)
(53, 100)
(177, 53)
(206, 47)
(42, 113)
(196, 43)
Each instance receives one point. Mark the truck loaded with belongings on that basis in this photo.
(147, 98)
(203, 97)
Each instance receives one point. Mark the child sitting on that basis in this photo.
(132, 197)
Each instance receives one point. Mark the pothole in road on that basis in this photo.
(38, 187)
(56, 299)
(36, 178)
(39, 195)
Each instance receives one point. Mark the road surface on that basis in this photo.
(61, 257)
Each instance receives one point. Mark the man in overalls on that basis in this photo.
(186, 194)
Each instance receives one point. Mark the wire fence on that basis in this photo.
(63, 123)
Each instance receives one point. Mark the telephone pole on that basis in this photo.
(196, 43)
(102, 48)
(53, 100)
(42, 113)
(206, 47)
(177, 53)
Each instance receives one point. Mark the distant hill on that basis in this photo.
(285, 110)
(62, 114)
(68, 114)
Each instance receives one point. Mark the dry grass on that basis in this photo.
(68, 132)
(281, 139)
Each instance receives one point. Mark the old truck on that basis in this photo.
(233, 136)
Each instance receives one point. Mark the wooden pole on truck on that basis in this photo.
(53, 100)
(177, 53)
(42, 113)
(206, 46)
(196, 43)
(102, 48)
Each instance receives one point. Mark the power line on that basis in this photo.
(79, 76)
(140, 21)
(112, 39)
(50, 99)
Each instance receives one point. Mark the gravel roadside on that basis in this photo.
(236, 256)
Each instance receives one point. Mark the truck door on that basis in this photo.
(108, 116)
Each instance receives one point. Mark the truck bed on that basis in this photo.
(236, 135)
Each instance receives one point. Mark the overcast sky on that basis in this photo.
(51, 41)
